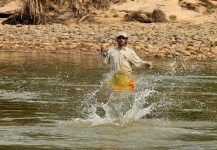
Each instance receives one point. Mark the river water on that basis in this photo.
(63, 101)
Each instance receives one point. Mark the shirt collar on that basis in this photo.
(125, 48)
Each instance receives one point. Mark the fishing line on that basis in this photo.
(96, 35)
(98, 38)
(91, 26)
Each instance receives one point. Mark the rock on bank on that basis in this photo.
(152, 40)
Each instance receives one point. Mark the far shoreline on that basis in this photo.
(97, 54)
(155, 40)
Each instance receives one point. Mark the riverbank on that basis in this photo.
(152, 40)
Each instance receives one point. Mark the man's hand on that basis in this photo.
(148, 64)
(103, 51)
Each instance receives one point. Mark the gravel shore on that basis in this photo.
(152, 40)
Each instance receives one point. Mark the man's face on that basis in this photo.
(122, 41)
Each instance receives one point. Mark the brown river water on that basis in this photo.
(63, 101)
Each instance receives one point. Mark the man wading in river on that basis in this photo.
(121, 57)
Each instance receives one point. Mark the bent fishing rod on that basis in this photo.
(96, 35)
(104, 53)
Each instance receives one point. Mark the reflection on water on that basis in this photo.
(64, 101)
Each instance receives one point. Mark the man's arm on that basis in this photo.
(134, 58)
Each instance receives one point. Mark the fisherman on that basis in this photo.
(121, 57)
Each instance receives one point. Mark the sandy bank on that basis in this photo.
(151, 40)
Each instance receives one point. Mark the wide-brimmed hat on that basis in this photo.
(124, 34)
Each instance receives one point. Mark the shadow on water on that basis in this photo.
(64, 101)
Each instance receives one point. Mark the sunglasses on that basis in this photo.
(122, 37)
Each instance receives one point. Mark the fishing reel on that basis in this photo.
(104, 54)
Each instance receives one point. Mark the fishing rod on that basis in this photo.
(96, 35)
(91, 26)
(104, 53)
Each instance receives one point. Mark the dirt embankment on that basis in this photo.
(192, 33)
(153, 40)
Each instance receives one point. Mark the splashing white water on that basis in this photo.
(137, 111)
(121, 108)
(125, 107)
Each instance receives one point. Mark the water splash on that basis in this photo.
(138, 110)
(105, 106)
(155, 97)
(178, 66)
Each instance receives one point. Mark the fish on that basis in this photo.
(120, 80)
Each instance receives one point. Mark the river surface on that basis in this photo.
(64, 101)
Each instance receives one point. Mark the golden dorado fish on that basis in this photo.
(120, 80)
